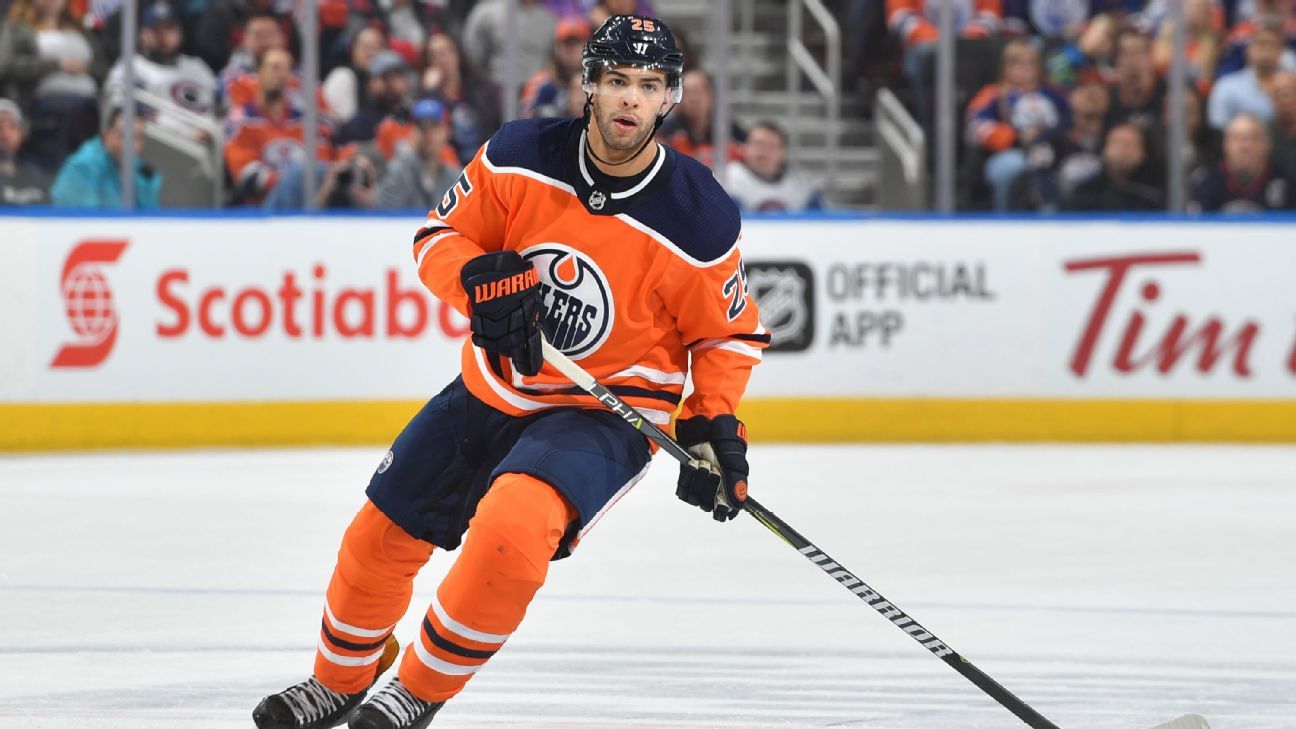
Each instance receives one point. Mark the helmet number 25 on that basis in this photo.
(644, 24)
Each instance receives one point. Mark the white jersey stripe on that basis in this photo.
(671, 246)
(729, 345)
(440, 666)
(427, 246)
(658, 417)
(342, 660)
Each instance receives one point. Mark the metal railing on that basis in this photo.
(826, 79)
(902, 147)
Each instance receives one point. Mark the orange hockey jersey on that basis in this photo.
(636, 283)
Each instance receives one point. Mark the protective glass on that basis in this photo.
(603, 79)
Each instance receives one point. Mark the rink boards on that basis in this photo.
(176, 331)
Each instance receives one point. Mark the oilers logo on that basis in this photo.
(577, 298)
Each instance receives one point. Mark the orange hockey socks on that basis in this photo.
(369, 592)
(503, 562)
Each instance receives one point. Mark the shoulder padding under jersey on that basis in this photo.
(693, 211)
(533, 144)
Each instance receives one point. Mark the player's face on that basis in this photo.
(626, 102)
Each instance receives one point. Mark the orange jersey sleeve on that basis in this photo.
(720, 326)
(469, 221)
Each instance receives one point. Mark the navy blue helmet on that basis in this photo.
(633, 40)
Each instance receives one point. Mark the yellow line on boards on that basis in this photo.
(84, 426)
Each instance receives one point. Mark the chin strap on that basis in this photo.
(656, 125)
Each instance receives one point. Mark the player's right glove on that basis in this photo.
(716, 480)
(505, 308)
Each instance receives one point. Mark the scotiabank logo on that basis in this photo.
(88, 303)
(300, 307)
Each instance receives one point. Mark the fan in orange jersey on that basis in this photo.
(623, 253)
(265, 139)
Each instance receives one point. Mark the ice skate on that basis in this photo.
(312, 705)
(394, 707)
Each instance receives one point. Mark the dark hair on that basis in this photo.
(773, 127)
(1138, 129)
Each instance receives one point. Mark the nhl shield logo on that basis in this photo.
(784, 291)
(597, 200)
(578, 311)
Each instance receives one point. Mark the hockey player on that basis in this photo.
(623, 253)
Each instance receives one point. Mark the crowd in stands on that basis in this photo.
(1072, 111)
(408, 92)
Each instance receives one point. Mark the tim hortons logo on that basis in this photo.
(88, 303)
(1139, 347)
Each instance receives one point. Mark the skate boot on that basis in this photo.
(394, 707)
(312, 705)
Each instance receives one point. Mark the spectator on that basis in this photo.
(222, 21)
(1202, 145)
(51, 69)
(474, 101)
(91, 177)
(1247, 90)
(689, 129)
(763, 181)
(1283, 129)
(1052, 20)
(1138, 93)
(1122, 184)
(420, 173)
(575, 97)
(484, 39)
(264, 149)
(1249, 17)
(601, 10)
(388, 95)
(544, 94)
(21, 181)
(407, 23)
(1061, 161)
(1205, 22)
(161, 70)
(1088, 59)
(914, 23)
(237, 81)
(563, 9)
(345, 85)
(1246, 181)
(1006, 118)
(346, 184)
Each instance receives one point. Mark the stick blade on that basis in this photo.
(1187, 721)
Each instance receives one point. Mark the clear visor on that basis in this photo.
(621, 81)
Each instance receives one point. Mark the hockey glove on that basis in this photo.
(716, 480)
(505, 308)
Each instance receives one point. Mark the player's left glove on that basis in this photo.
(716, 480)
(505, 308)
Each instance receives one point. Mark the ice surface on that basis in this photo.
(1107, 586)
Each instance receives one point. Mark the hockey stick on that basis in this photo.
(925, 638)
